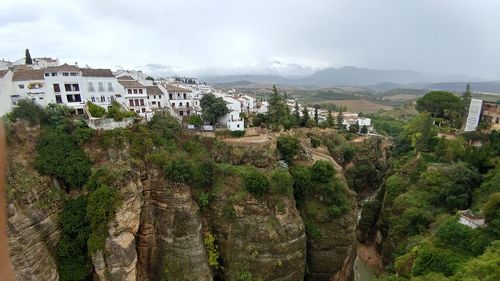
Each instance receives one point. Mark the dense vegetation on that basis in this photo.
(429, 180)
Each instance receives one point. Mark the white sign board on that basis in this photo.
(474, 115)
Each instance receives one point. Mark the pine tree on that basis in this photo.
(364, 130)
(296, 114)
(340, 119)
(277, 108)
(329, 119)
(316, 117)
(305, 117)
(466, 97)
(28, 57)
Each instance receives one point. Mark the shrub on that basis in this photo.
(28, 110)
(195, 120)
(60, 156)
(179, 171)
(95, 110)
(431, 259)
(322, 171)
(73, 263)
(282, 182)
(212, 251)
(203, 200)
(116, 112)
(203, 174)
(288, 147)
(315, 142)
(100, 210)
(237, 134)
(255, 182)
(461, 238)
(302, 180)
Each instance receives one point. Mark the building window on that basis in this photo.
(103, 99)
(170, 96)
(76, 87)
(180, 104)
(58, 99)
(72, 74)
(140, 91)
(91, 87)
(237, 126)
(188, 112)
(142, 102)
(154, 96)
(173, 105)
(184, 95)
(67, 87)
(79, 111)
(143, 110)
(92, 98)
(21, 86)
(136, 102)
(74, 98)
(131, 102)
(110, 87)
(135, 91)
(187, 104)
(100, 87)
(47, 74)
(153, 102)
(129, 91)
(65, 74)
(181, 113)
(57, 89)
(54, 74)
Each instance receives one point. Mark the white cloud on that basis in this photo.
(227, 36)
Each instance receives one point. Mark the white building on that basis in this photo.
(99, 86)
(29, 84)
(135, 75)
(157, 97)
(134, 95)
(5, 91)
(232, 120)
(474, 115)
(180, 99)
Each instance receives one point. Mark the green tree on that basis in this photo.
(484, 267)
(305, 117)
(322, 171)
(364, 130)
(466, 97)
(101, 208)
(302, 180)
(27, 56)
(441, 104)
(288, 147)
(296, 114)
(95, 110)
(329, 119)
(340, 119)
(278, 109)
(213, 108)
(354, 128)
(255, 182)
(421, 132)
(73, 262)
(282, 182)
(60, 156)
(316, 116)
(28, 110)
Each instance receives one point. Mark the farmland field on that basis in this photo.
(359, 105)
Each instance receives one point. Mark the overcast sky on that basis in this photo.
(201, 37)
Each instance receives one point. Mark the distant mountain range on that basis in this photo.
(374, 79)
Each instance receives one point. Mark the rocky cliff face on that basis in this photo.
(265, 237)
(33, 204)
(119, 258)
(170, 244)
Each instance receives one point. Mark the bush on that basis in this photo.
(179, 171)
(302, 180)
(95, 110)
(195, 120)
(73, 262)
(460, 238)
(100, 210)
(203, 174)
(288, 147)
(212, 251)
(255, 182)
(282, 182)
(28, 110)
(431, 259)
(237, 134)
(322, 171)
(116, 112)
(315, 142)
(61, 157)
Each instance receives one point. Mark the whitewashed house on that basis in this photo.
(232, 120)
(157, 97)
(99, 86)
(5, 91)
(29, 84)
(64, 86)
(134, 95)
(180, 100)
